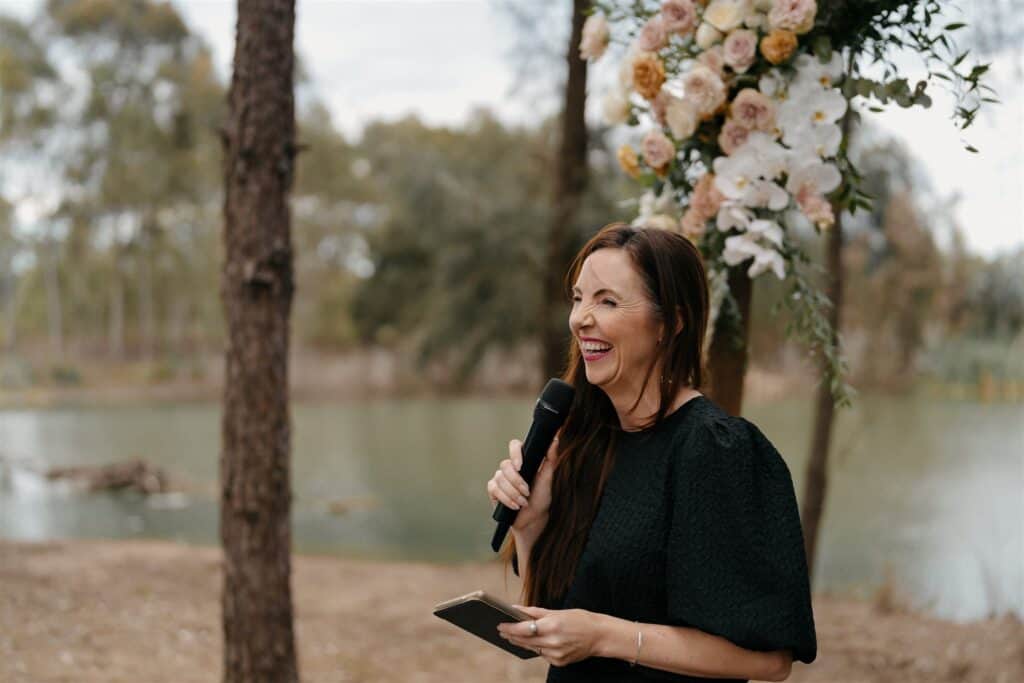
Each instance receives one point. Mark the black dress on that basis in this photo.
(697, 526)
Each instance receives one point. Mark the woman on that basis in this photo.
(661, 538)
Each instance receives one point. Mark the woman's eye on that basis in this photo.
(609, 302)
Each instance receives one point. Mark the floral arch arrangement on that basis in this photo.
(745, 108)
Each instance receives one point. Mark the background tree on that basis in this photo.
(569, 183)
(257, 289)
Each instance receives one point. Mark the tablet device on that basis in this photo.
(480, 613)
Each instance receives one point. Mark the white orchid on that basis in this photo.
(768, 230)
(744, 175)
(733, 215)
(816, 175)
(739, 248)
(818, 141)
(810, 69)
(806, 108)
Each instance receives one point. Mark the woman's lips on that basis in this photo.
(589, 356)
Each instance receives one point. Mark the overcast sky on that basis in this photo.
(439, 59)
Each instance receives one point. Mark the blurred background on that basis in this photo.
(423, 195)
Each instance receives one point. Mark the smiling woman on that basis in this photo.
(661, 539)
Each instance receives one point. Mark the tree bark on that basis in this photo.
(116, 322)
(54, 309)
(816, 479)
(727, 363)
(256, 292)
(570, 182)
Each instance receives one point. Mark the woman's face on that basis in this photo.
(610, 310)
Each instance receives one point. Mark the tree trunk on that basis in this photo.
(51, 276)
(146, 301)
(570, 181)
(256, 293)
(115, 333)
(727, 363)
(816, 479)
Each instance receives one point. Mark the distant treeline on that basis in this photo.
(423, 239)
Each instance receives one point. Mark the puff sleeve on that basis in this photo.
(735, 560)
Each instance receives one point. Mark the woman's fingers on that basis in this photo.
(514, 477)
(515, 453)
(500, 489)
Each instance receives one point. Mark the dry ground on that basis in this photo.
(148, 612)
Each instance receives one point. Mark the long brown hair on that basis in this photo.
(672, 271)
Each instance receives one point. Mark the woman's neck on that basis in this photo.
(647, 408)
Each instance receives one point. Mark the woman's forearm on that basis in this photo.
(688, 651)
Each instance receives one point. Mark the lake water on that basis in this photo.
(931, 491)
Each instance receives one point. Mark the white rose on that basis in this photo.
(725, 15)
(615, 107)
(756, 20)
(682, 118)
(707, 35)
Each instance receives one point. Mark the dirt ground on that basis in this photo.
(148, 612)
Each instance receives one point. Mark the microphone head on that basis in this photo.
(558, 395)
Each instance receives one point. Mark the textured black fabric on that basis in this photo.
(697, 526)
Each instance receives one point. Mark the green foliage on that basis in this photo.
(882, 29)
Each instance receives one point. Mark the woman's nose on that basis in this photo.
(581, 316)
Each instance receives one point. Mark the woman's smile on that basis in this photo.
(594, 349)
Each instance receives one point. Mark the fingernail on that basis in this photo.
(522, 501)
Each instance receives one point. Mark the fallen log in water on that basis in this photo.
(135, 474)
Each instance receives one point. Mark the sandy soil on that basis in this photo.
(148, 612)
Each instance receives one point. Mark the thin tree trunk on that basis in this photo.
(51, 277)
(816, 479)
(570, 182)
(115, 333)
(256, 292)
(147, 307)
(11, 308)
(727, 362)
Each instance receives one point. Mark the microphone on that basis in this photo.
(548, 416)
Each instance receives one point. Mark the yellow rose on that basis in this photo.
(628, 161)
(648, 74)
(778, 45)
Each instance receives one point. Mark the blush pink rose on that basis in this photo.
(659, 105)
(793, 15)
(705, 89)
(733, 136)
(740, 50)
(753, 110)
(653, 36)
(706, 199)
(817, 209)
(714, 59)
(658, 149)
(595, 37)
(693, 224)
(680, 16)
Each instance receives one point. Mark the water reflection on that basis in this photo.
(933, 491)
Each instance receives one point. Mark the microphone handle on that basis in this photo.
(535, 447)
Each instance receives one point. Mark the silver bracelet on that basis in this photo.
(639, 644)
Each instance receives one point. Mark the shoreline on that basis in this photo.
(146, 610)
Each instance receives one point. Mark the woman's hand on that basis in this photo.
(563, 636)
(510, 489)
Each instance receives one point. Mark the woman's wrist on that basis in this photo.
(616, 638)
